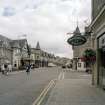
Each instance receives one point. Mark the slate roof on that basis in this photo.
(4, 38)
(4, 41)
(38, 46)
(18, 43)
(77, 31)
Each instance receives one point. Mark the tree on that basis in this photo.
(89, 56)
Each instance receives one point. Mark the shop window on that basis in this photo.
(37, 57)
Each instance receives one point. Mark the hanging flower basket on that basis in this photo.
(89, 56)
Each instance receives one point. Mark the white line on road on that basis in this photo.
(43, 94)
(61, 76)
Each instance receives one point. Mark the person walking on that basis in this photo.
(10, 68)
(2, 69)
(6, 69)
(28, 69)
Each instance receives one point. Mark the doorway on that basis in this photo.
(101, 60)
(103, 65)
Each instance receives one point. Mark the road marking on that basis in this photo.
(61, 76)
(41, 97)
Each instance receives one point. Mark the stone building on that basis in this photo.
(13, 51)
(78, 51)
(41, 58)
(5, 50)
(98, 41)
(20, 54)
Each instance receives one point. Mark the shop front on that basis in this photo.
(101, 60)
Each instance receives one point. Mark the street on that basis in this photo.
(18, 88)
(52, 52)
(71, 87)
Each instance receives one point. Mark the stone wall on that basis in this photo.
(98, 28)
(97, 5)
(79, 50)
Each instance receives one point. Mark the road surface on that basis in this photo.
(18, 88)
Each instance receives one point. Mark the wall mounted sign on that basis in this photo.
(77, 40)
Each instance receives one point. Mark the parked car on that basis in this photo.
(88, 70)
(63, 66)
(51, 65)
(69, 66)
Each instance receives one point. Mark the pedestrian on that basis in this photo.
(10, 68)
(28, 69)
(2, 68)
(6, 69)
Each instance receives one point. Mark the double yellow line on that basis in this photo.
(43, 94)
(61, 76)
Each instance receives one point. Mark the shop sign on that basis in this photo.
(77, 40)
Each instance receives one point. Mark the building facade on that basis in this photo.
(41, 58)
(13, 52)
(98, 41)
(5, 50)
(20, 53)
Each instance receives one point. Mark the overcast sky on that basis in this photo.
(46, 21)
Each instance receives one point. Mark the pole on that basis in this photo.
(92, 65)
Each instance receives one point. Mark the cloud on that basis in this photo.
(8, 11)
(46, 21)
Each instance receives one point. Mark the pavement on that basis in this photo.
(75, 89)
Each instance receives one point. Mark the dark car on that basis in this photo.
(63, 66)
(69, 66)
